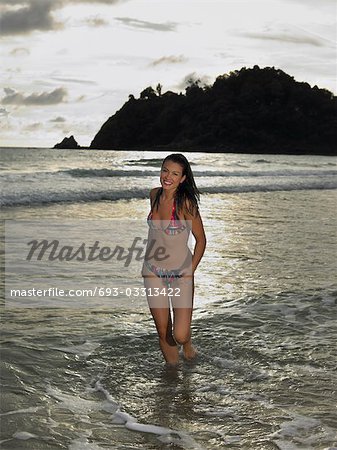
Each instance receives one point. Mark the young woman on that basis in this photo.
(169, 266)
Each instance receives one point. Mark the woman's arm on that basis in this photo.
(200, 238)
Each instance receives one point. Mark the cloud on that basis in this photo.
(60, 123)
(13, 97)
(14, 70)
(58, 3)
(104, 2)
(96, 22)
(58, 119)
(33, 126)
(193, 77)
(12, 2)
(20, 51)
(25, 16)
(169, 60)
(135, 23)
(286, 37)
(74, 80)
(5, 126)
(3, 112)
(32, 15)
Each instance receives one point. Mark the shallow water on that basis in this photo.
(265, 377)
(264, 325)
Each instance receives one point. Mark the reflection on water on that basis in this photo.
(269, 242)
(264, 326)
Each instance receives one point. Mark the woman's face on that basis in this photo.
(171, 175)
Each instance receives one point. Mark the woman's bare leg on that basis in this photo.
(168, 345)
(183, 309)
(160, 310)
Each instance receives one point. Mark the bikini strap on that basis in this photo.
(174, 216)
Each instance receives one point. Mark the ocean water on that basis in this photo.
(264, 319)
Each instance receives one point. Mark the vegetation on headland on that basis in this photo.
(254, 110)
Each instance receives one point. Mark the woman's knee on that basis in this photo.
(165, 334)
(182, 337)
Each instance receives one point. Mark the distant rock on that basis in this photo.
(68, 143)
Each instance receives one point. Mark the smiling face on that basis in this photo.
(171, 175)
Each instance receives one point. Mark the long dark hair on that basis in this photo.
(187, 193)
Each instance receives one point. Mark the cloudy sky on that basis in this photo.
(67, 65)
